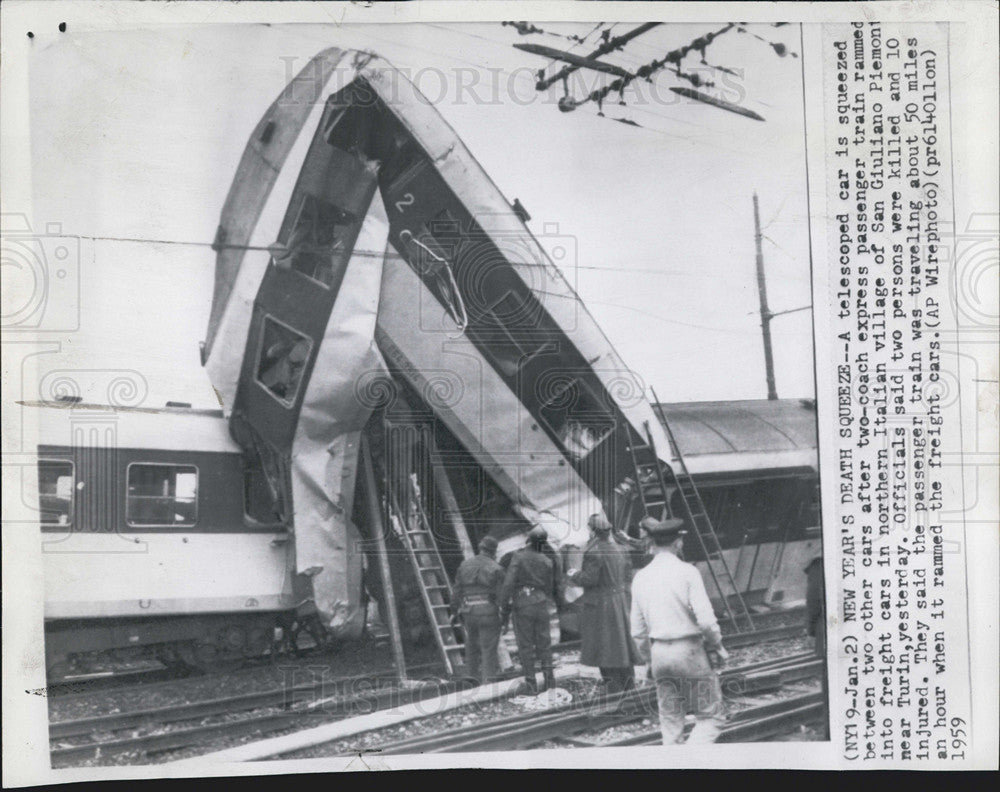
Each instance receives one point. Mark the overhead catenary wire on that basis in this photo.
(381, 253)
(522, 76)
(674, 56)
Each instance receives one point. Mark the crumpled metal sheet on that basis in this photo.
(325, 448)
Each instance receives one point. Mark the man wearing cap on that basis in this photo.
(676, 633)
(816, 615)
(476, 598)
(815, 603)
(530, 587)
(604, 576)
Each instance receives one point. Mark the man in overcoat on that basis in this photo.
(605, 577)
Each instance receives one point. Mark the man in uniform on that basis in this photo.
(815, 601)
(530, 587)
(476, 598)
(816, 614)
(604, 576)
(676, 632)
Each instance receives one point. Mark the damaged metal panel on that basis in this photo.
(303, 301)
(263, 159)
(475, 255)
(421, 343)
(324, 461)
(494, 217)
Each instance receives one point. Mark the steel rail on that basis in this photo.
(280, 697)
(749, 725)
(182, 738)
(129, 681)
(521, 731)
(763, 636)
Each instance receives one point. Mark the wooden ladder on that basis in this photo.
(650, 488)
(432, 579)
(697, 517)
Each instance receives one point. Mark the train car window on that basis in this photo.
(576, 417)
(281, 360)
(312, 243)
(55, 492)
(162, 495)
(510, 331)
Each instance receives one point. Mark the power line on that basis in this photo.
(638, 310)
(377, 253)
(674, 56)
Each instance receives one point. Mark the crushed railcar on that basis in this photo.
(373, 286)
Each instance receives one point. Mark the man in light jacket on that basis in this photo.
(676, 633)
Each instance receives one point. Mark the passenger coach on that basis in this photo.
(154, 535)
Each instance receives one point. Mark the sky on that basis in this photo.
(136, 136)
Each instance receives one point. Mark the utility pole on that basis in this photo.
(765, 313)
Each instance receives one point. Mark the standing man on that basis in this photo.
(815, 601)
(676, 632)
(476, 598)
(816, 613)
(530, 587)
(604, 576)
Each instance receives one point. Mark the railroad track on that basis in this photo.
(753, 724)
(105, 733)
(86, 685)
(108, 735)
(83, 685)
(562, 723)
(299, 705)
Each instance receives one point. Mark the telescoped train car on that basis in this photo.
(156, 537)
(361, 242)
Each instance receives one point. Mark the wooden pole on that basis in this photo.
(378, 529)
(765, 313)
(449, 501)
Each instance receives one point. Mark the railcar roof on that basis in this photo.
(164, 428)
(743, 427)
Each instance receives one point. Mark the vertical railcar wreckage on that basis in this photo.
(374, 288)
